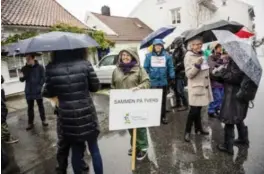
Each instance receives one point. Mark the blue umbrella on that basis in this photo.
(158, 34)
(53, 41)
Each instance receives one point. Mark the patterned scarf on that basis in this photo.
(126, 67)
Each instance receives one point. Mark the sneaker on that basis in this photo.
(30, 126)
(130, 152)
(212, 115)
(11, 140)
(45, 124)
(141, 155)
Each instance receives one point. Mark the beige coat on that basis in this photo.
(199, 85)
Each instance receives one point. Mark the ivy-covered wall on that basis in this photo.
(99, 36)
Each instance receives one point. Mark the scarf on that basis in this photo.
(126, 67)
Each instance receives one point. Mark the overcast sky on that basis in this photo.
(123, 7)
(118, 7)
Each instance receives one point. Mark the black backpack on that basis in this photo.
(248, 90)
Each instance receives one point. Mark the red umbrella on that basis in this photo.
(244, 33)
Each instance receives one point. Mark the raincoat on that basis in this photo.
(159, 75)
(233, 110)
(137, 77)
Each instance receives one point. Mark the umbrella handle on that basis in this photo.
(252, 104)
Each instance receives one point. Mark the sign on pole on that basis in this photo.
(134, 109)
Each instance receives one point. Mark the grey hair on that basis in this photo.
(190, 42)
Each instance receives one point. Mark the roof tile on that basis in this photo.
(43, 13)
(127, 29)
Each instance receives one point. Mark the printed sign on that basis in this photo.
(158, 61)
(134, 109)
(204, 65)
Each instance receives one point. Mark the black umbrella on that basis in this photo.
(206, 33)
(53, 41)
(186, 33)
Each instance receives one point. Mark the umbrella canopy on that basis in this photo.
(53, 41)
(186, 33)
(158, 34)
(242, 53)
(244, 33)
(205, 31)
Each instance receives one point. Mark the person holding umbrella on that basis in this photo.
(199, 86)
(214, 61)
(159, 67)
(71, 78)
(34, 75)
(233, 110)
(178, 58)
(129, 75)
(240, 85)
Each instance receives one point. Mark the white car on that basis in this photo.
(104, 69)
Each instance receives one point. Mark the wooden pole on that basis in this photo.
(133, 166)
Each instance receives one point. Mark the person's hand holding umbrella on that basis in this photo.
(242, 53)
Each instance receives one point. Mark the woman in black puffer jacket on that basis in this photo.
(71, 78)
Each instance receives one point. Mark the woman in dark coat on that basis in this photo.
(233, 110)
(71, 78)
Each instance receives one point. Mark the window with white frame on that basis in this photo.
(176, 16)
(15, 64)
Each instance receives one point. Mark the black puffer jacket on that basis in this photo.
(72, 81)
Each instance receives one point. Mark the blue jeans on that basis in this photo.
(218, 94)
(77, 156)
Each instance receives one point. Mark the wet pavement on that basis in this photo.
(168, 153)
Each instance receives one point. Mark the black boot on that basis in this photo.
(187, 137)
(224, 148)
(198, 126)
(242, 136)
(30, 126)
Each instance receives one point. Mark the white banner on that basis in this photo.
(134, 109)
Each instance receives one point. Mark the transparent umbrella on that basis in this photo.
(242, 53)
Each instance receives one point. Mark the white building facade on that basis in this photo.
(188, 14)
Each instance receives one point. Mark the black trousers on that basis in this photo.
(31, 114)
(230, 134)
(179, 92)
(63, 150)
(164, 100)
(194, 117)
(3, 94)
(242, 131)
